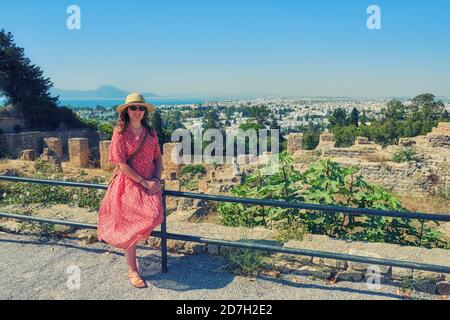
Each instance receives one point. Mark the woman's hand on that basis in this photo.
(153, 186)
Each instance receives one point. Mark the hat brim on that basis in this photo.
(149, 106)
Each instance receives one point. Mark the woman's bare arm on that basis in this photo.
(129, 172)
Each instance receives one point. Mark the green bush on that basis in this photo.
(193, 169)
(406, 155)
(107, 128)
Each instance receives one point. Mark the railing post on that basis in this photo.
(164, 235)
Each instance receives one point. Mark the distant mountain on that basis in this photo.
(104, 92)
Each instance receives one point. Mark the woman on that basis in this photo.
(132, 206)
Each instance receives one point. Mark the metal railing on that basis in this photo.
(238, 244)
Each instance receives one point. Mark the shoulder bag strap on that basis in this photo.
(131, 157)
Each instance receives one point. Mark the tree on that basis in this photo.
(274, 123)
(311, 136)
(24, 86)
(211, 120)
(250, 125)
(345, 135)
(310, 140)
(364, 117)
(171, 121)
(446, 115)
(339, 117)
(67, 116)
(261, 114)
(395, 110)
(423, 99)
(426, 107)
(157, 124)
(354, 117)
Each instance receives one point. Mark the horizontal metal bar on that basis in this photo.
(271, 248)
(55, 182)
(57, 221)
(264, 202)
(48, 220)
(310, 206)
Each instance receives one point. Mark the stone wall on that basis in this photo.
(14, 143)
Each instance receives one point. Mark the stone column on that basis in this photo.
(105, 164)
(294, 142)
(28, 155)
(172, 170)
(79, 152)
(326, 141)
(55, 144)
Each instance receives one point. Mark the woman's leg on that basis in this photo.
(130, 254)
(133, 274)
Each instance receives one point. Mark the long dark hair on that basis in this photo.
(124, 120)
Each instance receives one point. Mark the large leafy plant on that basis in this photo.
(329, 183)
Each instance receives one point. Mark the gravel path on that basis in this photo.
(37, 268)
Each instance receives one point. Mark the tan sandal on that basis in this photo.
(136, 280)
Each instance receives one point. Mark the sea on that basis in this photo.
(107, 103)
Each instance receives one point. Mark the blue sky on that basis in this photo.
(235, 48)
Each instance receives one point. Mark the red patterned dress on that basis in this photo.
(128, 212)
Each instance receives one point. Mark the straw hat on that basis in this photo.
(135, 99)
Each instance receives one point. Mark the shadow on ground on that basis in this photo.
(202, 272)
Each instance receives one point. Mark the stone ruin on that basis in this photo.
(375, 163)
(53, 152)
(440, 136)
(171, 170)
(326, 141)
(294, 143)
(28, 155)
(51, 158)
(79, 152)
(55, 144)
(105, 164)
(219, 178)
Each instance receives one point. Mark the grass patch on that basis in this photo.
(246, 262)
(30, 193)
